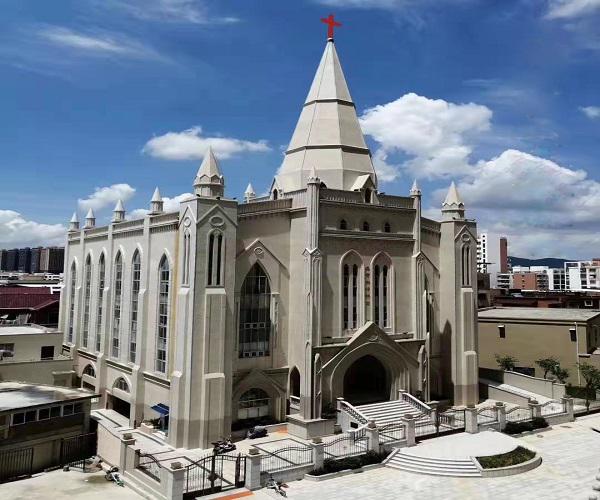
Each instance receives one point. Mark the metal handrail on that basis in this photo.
(416, 403)
(354, 412)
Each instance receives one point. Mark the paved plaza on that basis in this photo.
(570, 455)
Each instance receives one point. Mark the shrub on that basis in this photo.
(331, 465)
(517, 456)
(519, 427)
(539, 423)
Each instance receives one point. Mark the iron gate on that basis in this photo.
(74, 450)
(15, 464)
(213, 474)
(443, 423)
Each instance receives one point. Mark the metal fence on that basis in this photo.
(285, 458)
(552, 408)
(352, 443)
(15, 464)
(75, 450)
(391, 432)
(149, 465)
(487, 415)
(519, 414)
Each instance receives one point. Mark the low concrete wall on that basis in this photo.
(541, 386)
(38, 372)
(291, 474)
(109, 445)
(341, 473)
(510, 470)
(506, 396)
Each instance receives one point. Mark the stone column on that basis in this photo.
(471, 425)
(409, 429)
(568, 405)
(434, 410)
(175, 481)
(372, 436)
(253, 462)
(318, 452)
(500, 408)
(536, 408)
(126, 441)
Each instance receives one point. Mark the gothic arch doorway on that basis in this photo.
(366, 381)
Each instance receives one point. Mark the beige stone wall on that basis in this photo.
(39, 372)
(28, 346)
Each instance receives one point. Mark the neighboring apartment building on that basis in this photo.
(33, 260)
(35, 421)
(482, 253)
(29, 304)
(504, 262)
(32, 353)
(583, 275)
(564, 300)
(528, 334)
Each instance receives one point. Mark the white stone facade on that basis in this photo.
(265, 307)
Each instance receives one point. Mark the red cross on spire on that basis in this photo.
(331, 24)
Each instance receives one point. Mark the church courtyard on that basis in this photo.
(570, 465)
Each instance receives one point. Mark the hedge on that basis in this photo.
(517, 456)
(331, 465)
(518, 427)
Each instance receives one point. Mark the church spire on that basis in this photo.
(156, 203)
(453, 207)
(327, 135)
(209, 181)
(249, 194)
(74, 223)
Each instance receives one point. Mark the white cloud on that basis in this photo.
(432, 132)
(169, 205)
(16, 231)
(181, 11)
(592, 112)
(568, 9)
(97, 43)
(544, 208)
(191, 145)
(107, 196)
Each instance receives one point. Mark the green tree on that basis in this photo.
(561, 374)
(506, 363)
(591, 375)
(548, 365)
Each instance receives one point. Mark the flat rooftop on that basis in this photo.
(16, 395)
(538, 313)
(24, 330)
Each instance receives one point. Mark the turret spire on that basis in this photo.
(74, 223)
(415, 190)
(90, 219)
(119, 212)
(209, 181)
(453, 207)
(249, 194)
(156, 203)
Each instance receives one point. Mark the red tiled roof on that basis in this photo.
(34, 301)
(31, 290)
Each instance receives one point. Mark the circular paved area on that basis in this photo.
(464, 446)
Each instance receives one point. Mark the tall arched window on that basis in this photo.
(118, 297)
(367, 196)
(101, 276)
(72, 301)
(343, 224)
(136, 271)
(215, 264)
(186, 258)
(162, 334)
(466, 265)
(351, 292)
(382, 277)
(255, 314)
(87, 290)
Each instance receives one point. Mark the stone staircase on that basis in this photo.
(389, 411)
(402, 460)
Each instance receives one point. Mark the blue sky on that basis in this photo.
(110, 98)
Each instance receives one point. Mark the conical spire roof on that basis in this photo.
(249, 190)
(415, 189)
(119, 207)
(328, 135)
(209, 166)
(156, 196)
(90, 214)
(74, 218)
(453, 198)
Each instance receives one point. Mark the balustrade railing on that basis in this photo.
(553, 408)
(416, 403)
(353, 412)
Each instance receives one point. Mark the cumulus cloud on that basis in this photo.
(192, 145)
(592, 112)
(107, 196)
(97, 43)
(169, 205)
(544, 208)
(432, 132)
(180, 11)
(568, 9)
(16, 231)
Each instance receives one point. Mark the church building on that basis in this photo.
(225, 311)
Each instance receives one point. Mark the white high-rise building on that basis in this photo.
(583, 275)
(482, 253)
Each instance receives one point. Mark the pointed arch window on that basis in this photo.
(72, 301)
(255, 314)
(351, 297)
(162, 334)
(87, 290)
(117, 304)
(136, 272)
(121, 384)
(382, 277)
(186, 258)
(89, 370)
(101, 278)
(387, 228)
(466, 265)
(215, 258)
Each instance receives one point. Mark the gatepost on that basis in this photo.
(569, 407)
(471, 425)
(500, 408)
(175, 479)
(409, 429)
(254, 459)
(318, 452)
(434, 411)
(127, 440)
(372, 436)
(536, 408)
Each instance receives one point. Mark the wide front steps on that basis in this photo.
(389, 411)
(402, 460)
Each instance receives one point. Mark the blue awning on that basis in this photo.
(161, 408)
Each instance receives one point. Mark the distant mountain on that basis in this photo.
(547, 261)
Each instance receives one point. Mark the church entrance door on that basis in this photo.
(366, 381)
